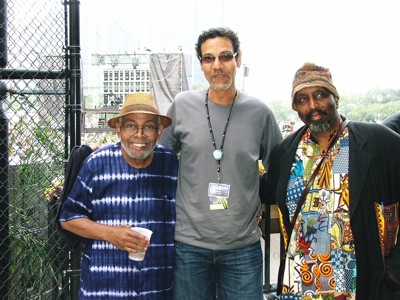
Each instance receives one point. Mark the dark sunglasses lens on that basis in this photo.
(225, 57)
(222, 58)
(208, 59)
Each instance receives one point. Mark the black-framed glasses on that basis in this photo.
(132, 129)
(223, 58)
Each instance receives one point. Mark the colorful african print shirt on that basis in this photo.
(321, 261)
(109, 191)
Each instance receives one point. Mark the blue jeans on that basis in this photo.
(227, 274)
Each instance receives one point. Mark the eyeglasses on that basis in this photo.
(224, 58)
(131, 129)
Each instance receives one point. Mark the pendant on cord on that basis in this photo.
(218, 154)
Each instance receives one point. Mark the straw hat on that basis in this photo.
(139, 103)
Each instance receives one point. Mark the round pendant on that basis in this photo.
(217, 154)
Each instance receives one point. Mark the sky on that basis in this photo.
(357, 40)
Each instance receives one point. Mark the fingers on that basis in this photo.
(126, 239)
(138, 241)
(259, 217)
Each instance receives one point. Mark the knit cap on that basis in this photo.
(312, 75)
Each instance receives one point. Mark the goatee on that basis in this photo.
(319, 125)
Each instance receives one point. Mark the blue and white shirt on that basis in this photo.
(109, 191)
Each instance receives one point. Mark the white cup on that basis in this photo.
(139, 256)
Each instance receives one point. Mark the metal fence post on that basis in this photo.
(4, 200)
(74, 108)
(3, 34)
(75, 74)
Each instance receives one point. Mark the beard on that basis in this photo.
(224, 87)
(321, 125)
(137, 155)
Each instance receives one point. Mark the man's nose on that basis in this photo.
(216, 63)
(312, 103)
(139, 132)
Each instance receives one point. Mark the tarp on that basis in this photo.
(169, 74)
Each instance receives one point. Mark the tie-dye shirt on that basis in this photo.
(321, 262)
(109, 191)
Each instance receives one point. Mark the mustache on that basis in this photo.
(218, 73)
(316, 110)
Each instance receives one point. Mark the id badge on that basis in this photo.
(218, 195)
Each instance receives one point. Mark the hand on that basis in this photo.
(259, 216)
(124, 238)
(94, 147)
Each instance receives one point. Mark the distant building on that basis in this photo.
(117, 83)
(162, 74)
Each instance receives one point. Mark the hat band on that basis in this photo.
(311, 81)
(139, 107)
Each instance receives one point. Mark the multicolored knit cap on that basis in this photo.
(312, 75)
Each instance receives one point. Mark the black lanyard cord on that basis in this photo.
(218, 154)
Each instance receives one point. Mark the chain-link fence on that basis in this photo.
(40, 115)
(38, 86)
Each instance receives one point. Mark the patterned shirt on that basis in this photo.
(321, 262)
(109, 191)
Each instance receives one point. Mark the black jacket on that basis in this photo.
(374, 176)
(76, 159)
(393, 122)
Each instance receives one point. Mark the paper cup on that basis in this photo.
(139, 256)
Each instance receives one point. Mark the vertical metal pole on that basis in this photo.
(67, 87)
(267, 248)
(4, 201)
(4, 191)
(73, 123)
(75, 74)
(3, 34)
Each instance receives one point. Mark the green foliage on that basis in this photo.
(31, 255)
(374, 106)
(40, 160)
(283, 110)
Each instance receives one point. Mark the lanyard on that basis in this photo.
(218, 153)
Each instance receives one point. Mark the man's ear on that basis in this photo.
(201, 65)
(118, 129)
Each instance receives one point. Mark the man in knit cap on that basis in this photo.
(336, 186)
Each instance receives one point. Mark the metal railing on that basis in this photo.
(40, 115)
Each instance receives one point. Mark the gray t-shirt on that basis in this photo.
(251, 134)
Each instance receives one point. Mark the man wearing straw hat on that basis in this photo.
(131, 183)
